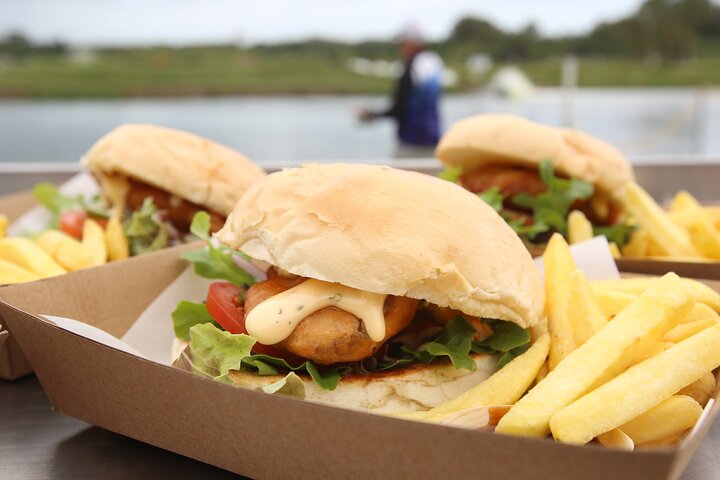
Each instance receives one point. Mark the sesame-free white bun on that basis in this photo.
(382, 230)
(508, 139)
(184, 164)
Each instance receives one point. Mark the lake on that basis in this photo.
(641, 122)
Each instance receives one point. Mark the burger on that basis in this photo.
(154, 180)
(381, 290)
(535, 174)
(181, 172)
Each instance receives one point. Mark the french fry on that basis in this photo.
(3, 225)
(558, 264)
(672, 258)
(655, 250)
(638, 244)
(93, 240)
(650, 316)
(636, 390)
(67, 251)
(701, 390)
(683, 201)
(637, 285)
(584, 310)
(476, 417)
(670, 416)
(655, 349)
(714, 214)
(705, 238)
(504, 387)
(685, 330)
(701, 312)
(542, 373)
(116, 241)
(579, 227)
(11, 273)
(614, 250)
(27, 254)
(669, 441)
(613, 302)
(672, 239)
(616, 438)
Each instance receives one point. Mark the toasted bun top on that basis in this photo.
(191, 167)
(389, 231)
(497, 139)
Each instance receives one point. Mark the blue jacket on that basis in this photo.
(416, 99)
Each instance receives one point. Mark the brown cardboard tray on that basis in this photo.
(259, 435)
(12, 362)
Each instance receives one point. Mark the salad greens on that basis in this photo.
(56, 203)
(188, 314)
(492, 197)
(550, 208)
(215, 261)
(145, 233)
(215, 352)
(451, 174)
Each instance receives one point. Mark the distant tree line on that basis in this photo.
(664, 29)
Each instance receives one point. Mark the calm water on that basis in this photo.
(639, 121)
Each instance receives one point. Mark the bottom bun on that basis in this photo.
(417, 387)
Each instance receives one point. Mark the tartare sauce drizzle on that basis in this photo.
(273, 320)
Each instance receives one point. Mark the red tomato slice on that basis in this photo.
(71, 222)
(225, 304)
(101, 221)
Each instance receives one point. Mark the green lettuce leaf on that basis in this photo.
(454, 342)
(143, 232)
(619, 233)
(188, 314)
(550, 208)
(451, 174)
(493, 197)
(215, 352)
(290, 385)
(269, 365)
(215, 261)
(55, 202)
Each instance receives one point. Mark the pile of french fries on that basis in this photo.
(53, 252)
(626, 363)
(688, 232)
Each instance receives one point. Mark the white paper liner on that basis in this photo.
(152, 333)
(93, 333)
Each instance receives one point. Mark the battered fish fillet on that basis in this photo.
(332, 335)
(180, 212)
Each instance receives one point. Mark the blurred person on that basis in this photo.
(416, 97)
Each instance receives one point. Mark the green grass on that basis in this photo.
(228, 70)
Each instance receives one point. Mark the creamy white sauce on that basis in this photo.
(273, 320)
(115, 188)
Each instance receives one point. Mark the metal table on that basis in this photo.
(37, 443)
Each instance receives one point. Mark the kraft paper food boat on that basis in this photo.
(256, 434)
(26, 216)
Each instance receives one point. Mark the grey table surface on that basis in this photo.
(37, 444)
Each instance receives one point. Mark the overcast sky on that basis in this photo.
(211, 21)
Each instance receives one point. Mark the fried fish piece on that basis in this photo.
(332, 335)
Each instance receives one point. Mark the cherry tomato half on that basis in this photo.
(71, 222)
(225, 304)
